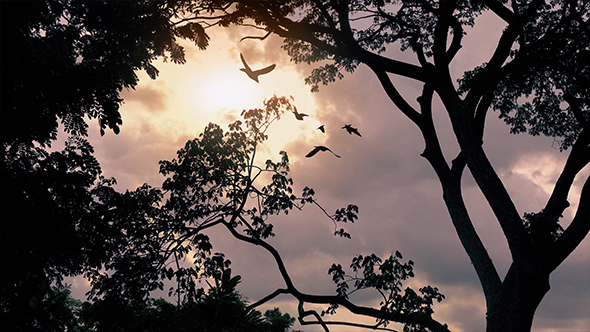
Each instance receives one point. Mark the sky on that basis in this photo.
(398, 194)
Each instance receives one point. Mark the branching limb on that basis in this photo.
(396, 97)
(303, 314)
(422, 319)
(579, 157)
(499, 9)
(265, 299)
(255, 37)
(324, 324)
(450, 179)
(492, 73)
(575, 233)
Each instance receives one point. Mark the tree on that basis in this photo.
(62, 61)
(538, 78)
(216, 182)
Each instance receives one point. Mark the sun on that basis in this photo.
(226, 90)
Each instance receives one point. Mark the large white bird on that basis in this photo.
(253, 74)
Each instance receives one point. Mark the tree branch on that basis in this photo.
(575, 233)
(412, 318)
(491, 74)
(396, 97)
(579, 157)
(450, 180)
(498, 8)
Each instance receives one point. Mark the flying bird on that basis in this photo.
(299, 116)
(253, 74)
(317, 149)
(322, 129)
(351, 130)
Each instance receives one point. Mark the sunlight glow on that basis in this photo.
(224, 90)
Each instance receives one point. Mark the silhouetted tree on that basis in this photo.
(542, 55)
(216, 181)
(61, 61)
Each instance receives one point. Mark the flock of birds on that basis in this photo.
(253, 74)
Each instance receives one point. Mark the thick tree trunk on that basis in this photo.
(521, 293)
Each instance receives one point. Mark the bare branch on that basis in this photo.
(254, 37)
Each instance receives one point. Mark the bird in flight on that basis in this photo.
(351, 130)
(253, 74)
(322, 129)
(317, 149)
(299, 116)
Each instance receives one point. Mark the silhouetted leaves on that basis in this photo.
(71, 59)
(195, 32)
(386, 277)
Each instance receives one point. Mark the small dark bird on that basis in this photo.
(317, 149)
(322, 129)
(299, 116)
(351, 130)
(253, 74)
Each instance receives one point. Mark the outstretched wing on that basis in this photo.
(244, 62)
(333, 153)
(265, 70)
(312, 153)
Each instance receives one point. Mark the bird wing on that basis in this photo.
(312, 153)
(333, 153)
(265, 70)
(244, 62)
(322, 129)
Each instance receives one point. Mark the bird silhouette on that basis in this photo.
(253, 74)
(351, 130)
(322, 129)
(317, 149)
(299, 116)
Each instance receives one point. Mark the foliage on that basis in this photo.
(56, 312)
(214, 181)
(221, 309)
(49, 221)
(67, 60)
(70, 59)
(215, 311)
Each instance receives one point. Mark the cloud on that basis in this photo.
(153, 100)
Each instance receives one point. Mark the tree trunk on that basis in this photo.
(520, 295)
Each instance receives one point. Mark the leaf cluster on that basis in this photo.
(550, 63)
(386, 277)
(69, 60)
